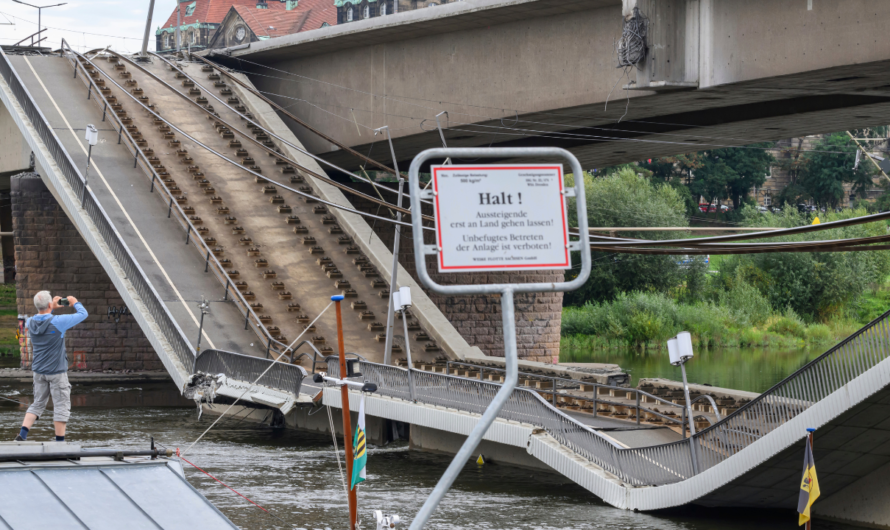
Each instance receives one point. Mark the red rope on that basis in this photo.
(226, 485)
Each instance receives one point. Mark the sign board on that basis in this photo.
(500, 217)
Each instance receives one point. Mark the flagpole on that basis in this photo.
(347, 420)
(810, 441)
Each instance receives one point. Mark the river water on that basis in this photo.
(752, 369)
(295, 475)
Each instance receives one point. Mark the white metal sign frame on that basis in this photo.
(505, 290)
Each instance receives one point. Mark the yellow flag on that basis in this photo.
(816, 221)
(809, 486)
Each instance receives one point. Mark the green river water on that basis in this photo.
(752, 369)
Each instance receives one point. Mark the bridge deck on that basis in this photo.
(176, 271)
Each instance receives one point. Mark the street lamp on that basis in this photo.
(680, 351)
(92, 138)
(401, 301)
(39, 12)
(204, 306)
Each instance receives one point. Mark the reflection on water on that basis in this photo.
(752, 369)
(295, 476)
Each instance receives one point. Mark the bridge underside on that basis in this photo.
(524, 73)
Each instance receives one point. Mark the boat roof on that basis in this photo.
(99, 492)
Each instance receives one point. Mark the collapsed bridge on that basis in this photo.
(212, 195)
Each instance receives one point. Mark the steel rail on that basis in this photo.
(282, 140)
(252, 140)
(244, 306)
(243, 168)
(302, 123)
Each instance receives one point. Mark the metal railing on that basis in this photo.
(282, 376)
(660, 464)
(92, 209)
(175, 211)
(639, 399)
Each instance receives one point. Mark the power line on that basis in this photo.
(71, 30)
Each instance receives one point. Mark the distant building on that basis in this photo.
(782, 173)
(199, 21)
(245, 24)
(355, 10)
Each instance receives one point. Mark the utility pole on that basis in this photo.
(178, 23)
(151, 8)
(39, 12)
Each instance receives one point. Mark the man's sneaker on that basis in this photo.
(18, 438)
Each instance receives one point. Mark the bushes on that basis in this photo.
(745, 301)
(740, 319)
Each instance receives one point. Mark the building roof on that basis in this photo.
(99, 492)
(309, 14)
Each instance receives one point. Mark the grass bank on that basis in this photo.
(640, 321)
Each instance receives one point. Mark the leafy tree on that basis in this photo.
(830, 165)
(626, 199)
(732, 172)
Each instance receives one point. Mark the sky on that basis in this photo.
(85, 24)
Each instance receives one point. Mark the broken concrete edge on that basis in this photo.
(429, 315)
(27, 376)
(68, 201)
(717, 392)
(602, 373)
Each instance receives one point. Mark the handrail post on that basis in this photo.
(170, 208)
(120, 133)
(226, 296)
(638, 407)
(207, 262)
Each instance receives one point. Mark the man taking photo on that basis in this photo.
(49, 362)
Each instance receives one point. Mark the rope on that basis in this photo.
(249, 388)
(337, 450)
(236, 492)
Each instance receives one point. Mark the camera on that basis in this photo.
(64, 302)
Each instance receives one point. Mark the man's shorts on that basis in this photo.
(57, 386)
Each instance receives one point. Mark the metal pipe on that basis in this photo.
(30, 457)
(462, 456)
(410, 362)
(151, 8)
(393, 287)
(347, 417)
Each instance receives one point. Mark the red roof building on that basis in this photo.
(199, 21)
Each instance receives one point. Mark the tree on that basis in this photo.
(732, 172)
(831, 164)
(626, 199)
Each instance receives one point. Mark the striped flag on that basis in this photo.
(359, 448)
(809, 486)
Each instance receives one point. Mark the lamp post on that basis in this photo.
(39, 11)
(204, 306)
(680, 351)
(151, 7)
(401, 301)
(92, 138)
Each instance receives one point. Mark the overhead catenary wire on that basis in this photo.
(270, 151)
(236, 164)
